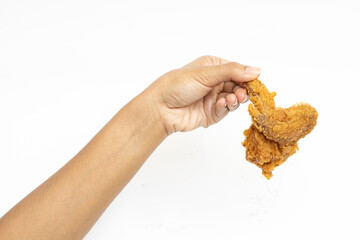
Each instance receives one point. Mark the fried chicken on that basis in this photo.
(272, 138)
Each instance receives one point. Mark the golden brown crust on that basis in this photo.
(273, 136)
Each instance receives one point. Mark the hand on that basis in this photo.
(201, 93)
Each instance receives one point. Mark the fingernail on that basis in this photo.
(246, 99)
(235, 104)
(252, 70)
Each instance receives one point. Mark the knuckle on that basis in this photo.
(212, 60)
(231, 66)
(234, 68)
(205, 58)
(235, 88)
(235, 65)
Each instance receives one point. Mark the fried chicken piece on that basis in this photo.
(265, 153)
(273, 136)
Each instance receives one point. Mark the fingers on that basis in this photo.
(232, 102)
(220, 110)
(229, 87)
(228, 101)
(226, 104)
(241, 94)
(232, 71)
(233, 94)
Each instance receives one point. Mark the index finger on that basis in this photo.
(232, 71)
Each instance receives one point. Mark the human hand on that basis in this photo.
(201, 93)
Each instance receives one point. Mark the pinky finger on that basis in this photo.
(220, 110)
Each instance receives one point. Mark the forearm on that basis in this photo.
(68, 204)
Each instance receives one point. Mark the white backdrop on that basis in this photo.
(66, 67)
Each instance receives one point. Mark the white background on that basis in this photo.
(66, 67)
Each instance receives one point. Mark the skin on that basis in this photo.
(69, 203)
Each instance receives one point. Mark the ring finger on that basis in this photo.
(231, 102)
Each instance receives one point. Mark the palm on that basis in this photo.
(192, 108)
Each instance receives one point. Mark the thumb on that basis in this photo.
(232, 71)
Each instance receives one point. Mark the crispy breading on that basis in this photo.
(272, 138)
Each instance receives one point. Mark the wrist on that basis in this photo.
(150, 105)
